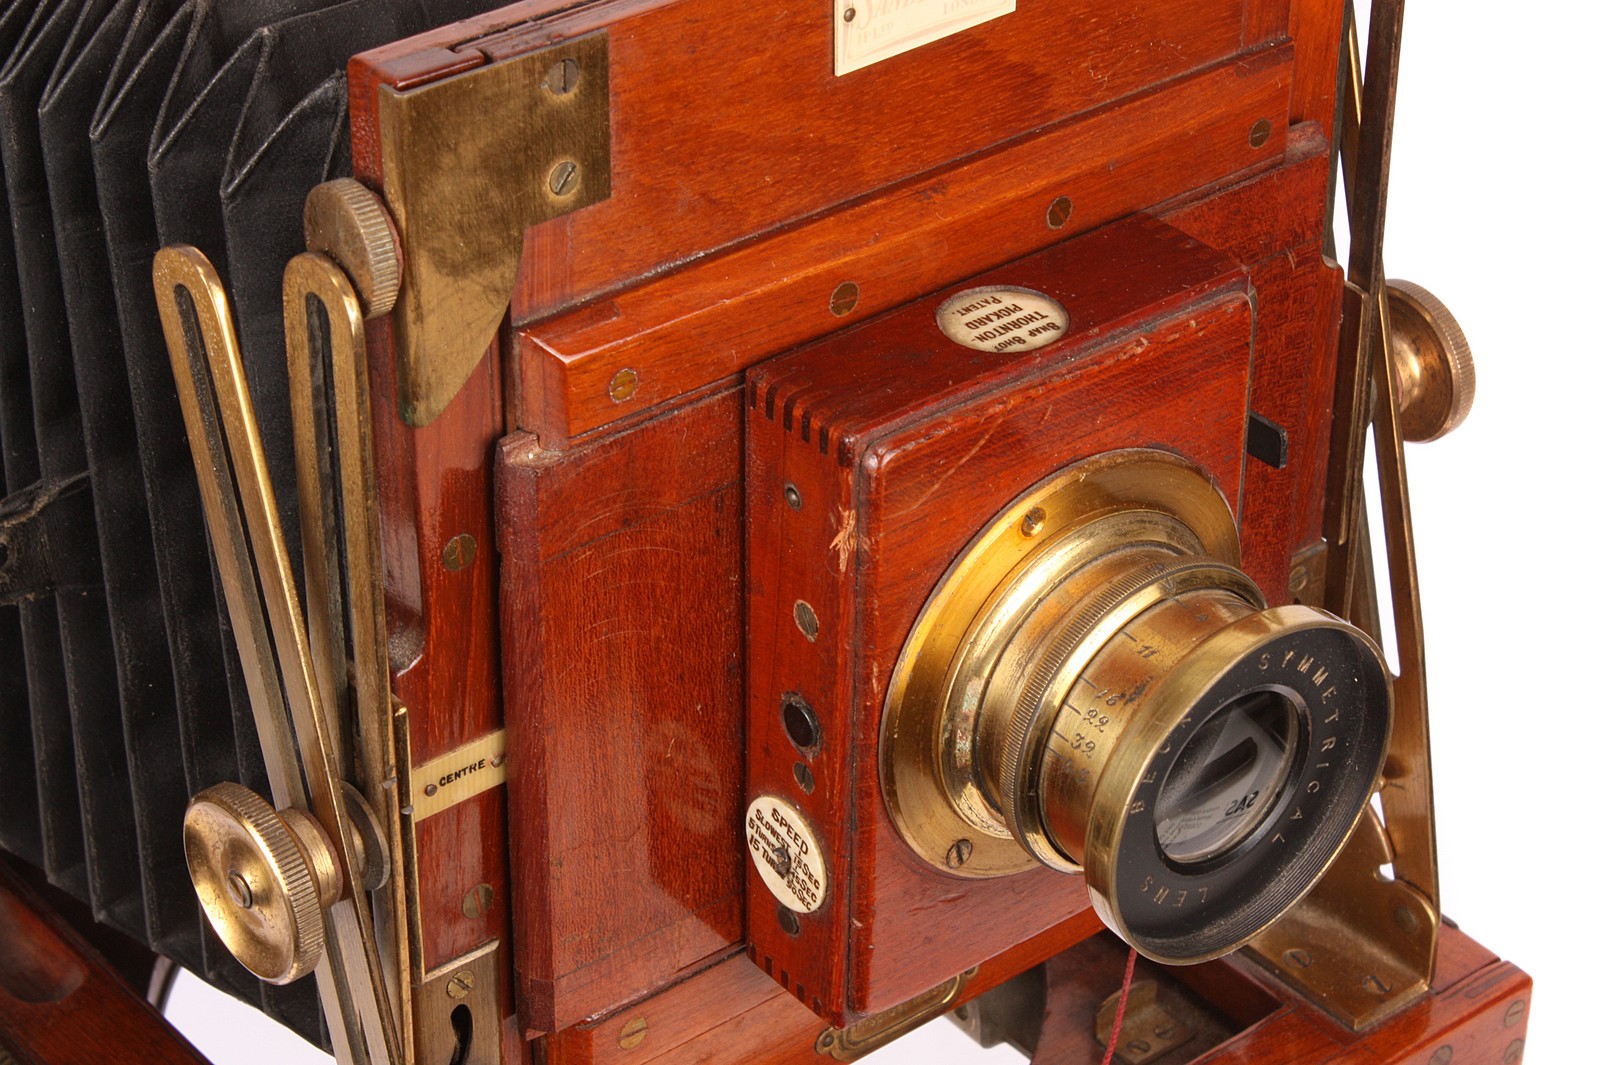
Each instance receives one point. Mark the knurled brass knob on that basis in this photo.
(348, 222)
(1433, 361)
(263, 877)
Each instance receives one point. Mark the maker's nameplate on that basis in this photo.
(786, 853)
(869, 31)
(458, 776)
(1002, 319)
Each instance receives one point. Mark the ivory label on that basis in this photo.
(786, 853)
(869, 31)
(1002, 319)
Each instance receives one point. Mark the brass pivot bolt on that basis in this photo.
(347, 222)
(263, 877)
(1433, 361)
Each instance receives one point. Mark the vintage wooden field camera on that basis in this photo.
(778, 522)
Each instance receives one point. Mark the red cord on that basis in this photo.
(1122, 1009)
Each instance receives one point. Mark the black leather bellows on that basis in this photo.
(125, 125)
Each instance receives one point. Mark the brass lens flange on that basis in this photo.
(1095, 686)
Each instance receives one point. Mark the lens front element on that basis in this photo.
(1227, 778)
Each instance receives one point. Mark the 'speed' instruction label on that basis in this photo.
(786, 853)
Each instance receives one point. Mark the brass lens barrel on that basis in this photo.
(1096, 687)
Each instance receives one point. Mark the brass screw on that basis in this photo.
(849, 14)
(958, 853)
(623, 385)
(1442, 1056)
(239, 891)
(1298, 958)
(1032, 522)
(460, 984)
(1405, 918)
(564, 177)
(782, 863)
(431, 790)
(1375, 985)
(1515, 1011)
(1259, 133)
(806, 618)
(562, 78)
(791, 496)
(1513, 1052)
(1060, 210)
(633, 1033)
(477, 902)
(459, 552)
(498, 760)
(1298, 579)
(844, 299)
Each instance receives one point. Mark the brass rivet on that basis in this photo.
(460, 984)
(564, 177)
(239, 891)
(1032, 522)
(849, 14)
(563, 77)
(1297, 958)
(1375, 985)
(806, 619)
(477, 902)
(498, 760)
(1060, 210)
(1405, 918)
(958, 853)
(431, 790)
(825, 1040)
(791, 496)
(1515, 1011)
(1442, 1056)
(1513, 1052)
(844, 299)
(459, 552)
(1259, 133)
(633, 1033)
(623, 385)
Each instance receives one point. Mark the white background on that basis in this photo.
(1491, 207)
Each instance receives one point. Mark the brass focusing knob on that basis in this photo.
(1096, 687)
(347, 222)
(263, 877)
(1433, 363)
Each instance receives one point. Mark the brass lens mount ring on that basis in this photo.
(1095, 686)
(929, 741)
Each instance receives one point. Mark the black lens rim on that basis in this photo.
(1192, 912)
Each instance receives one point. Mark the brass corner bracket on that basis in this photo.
(469, 163)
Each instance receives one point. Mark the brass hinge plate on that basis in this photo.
(1361, 943)
(1148, 1031)
(457, 1007)
(469, 163)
